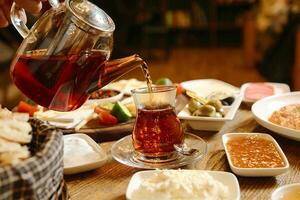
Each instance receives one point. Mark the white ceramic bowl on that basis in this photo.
(279, 88)
(227, 178)
(108, 99)
(86, 166)
(205, 87)
(255, 172)
(211, 123)
(279, 192)
(264, 108)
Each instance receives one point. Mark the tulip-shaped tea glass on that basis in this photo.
(157, 128)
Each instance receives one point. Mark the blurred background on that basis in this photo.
(236, 41)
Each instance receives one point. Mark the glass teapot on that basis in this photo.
(64, 57)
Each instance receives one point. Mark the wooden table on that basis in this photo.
(110, 181)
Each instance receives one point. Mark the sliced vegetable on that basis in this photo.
(121, 112)
(30, 102)
(132, 109)
(105, 117)
(179, 89)
(26, 108)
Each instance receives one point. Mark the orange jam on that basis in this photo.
(254, 152)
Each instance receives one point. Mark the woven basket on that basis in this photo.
(40, 176)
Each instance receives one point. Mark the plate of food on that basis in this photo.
(90, 118)
(280, 113)
(104, 112)
(93, 118)
(255, 91)
(108, 111)
(209, 109)
(183, 184)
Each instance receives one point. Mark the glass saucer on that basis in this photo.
(123, 152)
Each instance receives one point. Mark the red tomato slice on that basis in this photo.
(105, 117)
(26, 108)
(179, 89)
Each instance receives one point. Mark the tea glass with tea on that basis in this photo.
(157, 128)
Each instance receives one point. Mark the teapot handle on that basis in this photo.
(17, 21)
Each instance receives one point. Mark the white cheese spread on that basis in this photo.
(78, 151)
(180, 185)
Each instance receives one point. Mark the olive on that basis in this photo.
(228, 101)
(215, 103)
(219, 115)
(225, 103)
(205, 110)
(222, 112)
(194, 105)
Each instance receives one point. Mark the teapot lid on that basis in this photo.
(91, 15)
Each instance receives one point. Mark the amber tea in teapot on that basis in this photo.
(58, 81)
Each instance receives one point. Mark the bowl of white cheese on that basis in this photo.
(82, 153)
(183, 185)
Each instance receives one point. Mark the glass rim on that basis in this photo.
(157, 89)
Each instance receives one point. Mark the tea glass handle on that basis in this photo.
(17, 21)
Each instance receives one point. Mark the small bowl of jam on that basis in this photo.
(105, 95)
(254, 154)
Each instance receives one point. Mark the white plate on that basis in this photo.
(279, 88)
(204, 87)
(96, 160)
(228, 179)
(264, 108)
(211, 123)
(279, 192)
(255, 172)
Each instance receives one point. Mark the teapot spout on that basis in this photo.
(114, 69)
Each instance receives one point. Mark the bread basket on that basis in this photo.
(40, 176)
